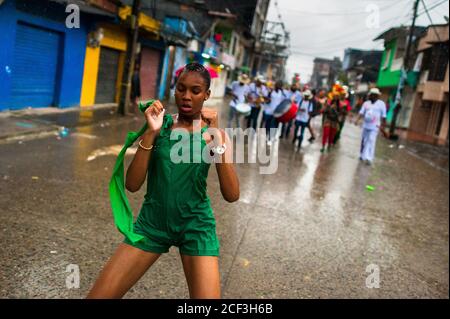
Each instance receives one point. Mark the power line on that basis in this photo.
(283, 26)
(280, 18)
(340, 14)
(431, 21)
(433, 6)
(405, 8)
(316, 54)
(343, 43)
(352, 34)
(343, 37)
(337, 49)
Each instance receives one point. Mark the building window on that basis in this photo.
(387, 58)
(419, 61)
(233, 46)
(426, 60)
(427, 105)
(440, 119)
(439, 62)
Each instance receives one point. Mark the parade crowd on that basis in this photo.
(288, 112)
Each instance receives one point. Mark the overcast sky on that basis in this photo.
(325, 28)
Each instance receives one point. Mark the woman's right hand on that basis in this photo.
(155, 116)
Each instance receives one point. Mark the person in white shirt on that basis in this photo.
(373, 112)
(258, 93)
(239, 92)
(277, 96)
(296, 97)
(305, 109)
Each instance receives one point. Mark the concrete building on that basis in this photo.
(182, 23)
(220, 34)
(42, 60)
(361, 69)
(106, 53)
(395, 43)
(241, 34)
(430, 115)
(325, 73)
(258, 28)
(274, 51)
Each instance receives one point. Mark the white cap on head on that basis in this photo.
(260, 78)
(307, 93)
(375, 91)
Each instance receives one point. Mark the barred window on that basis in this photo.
(439, 62)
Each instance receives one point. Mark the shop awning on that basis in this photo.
(84, 7)
(145, 22)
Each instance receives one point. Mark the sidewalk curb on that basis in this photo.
(25, 136)
(45, 127)
(52, 110)
(16, 135)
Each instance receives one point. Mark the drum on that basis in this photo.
(244, 109)
(286, 111)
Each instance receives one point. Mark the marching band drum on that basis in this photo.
(244, 109)
(286, 111)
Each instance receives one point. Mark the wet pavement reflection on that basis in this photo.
(308, 231)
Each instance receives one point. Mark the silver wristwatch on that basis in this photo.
(219, 149)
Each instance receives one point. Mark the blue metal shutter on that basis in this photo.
(35, 67)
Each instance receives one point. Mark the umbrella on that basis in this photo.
(214, 74)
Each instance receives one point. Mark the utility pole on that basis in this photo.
(404, 74)
(125, 89)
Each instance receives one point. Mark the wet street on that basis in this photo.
(308, 231)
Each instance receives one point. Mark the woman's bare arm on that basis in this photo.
(228, 179)
(229, 182)
(138, 168)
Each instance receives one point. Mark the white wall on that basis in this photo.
(218, 85)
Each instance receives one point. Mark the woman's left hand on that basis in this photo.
(211, 117)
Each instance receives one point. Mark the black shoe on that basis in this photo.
(311, 140)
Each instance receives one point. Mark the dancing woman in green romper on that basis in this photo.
(176, 210)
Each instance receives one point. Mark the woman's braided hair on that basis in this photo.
(200, 69)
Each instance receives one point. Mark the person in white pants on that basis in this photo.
(374, 113)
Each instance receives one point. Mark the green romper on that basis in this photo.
(177, 210)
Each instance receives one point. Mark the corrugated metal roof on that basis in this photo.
(86, 8)
(394, 33)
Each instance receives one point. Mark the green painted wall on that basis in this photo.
(387, 78)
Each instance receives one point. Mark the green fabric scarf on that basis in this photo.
(123, 215)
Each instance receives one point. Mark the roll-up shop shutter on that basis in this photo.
(35, 68)
(107, 76)
(150, 60)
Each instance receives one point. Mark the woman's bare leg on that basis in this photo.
(202, 275)
(123, 270)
